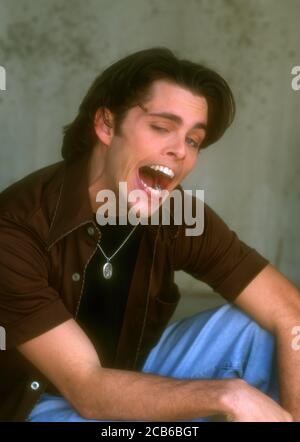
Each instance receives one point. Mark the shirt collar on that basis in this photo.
(73, 208)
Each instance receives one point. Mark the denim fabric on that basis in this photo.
(215, 344)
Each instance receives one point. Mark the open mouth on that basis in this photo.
(155, 178)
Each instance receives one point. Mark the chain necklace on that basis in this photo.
(107, 269)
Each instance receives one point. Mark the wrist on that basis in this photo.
(230, 396)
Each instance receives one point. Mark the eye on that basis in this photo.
(193, 143)
(159, 128)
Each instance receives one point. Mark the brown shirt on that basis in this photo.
(48, 237)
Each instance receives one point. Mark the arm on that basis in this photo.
(68, 359)
(275, 304)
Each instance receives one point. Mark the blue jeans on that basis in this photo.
(215, 344)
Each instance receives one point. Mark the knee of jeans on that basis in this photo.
(250, 331)
(242, 317)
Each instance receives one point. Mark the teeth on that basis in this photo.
(155, 191)
(165, 170)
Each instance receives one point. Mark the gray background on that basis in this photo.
(52, 50)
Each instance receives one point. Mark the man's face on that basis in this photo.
(159, 142)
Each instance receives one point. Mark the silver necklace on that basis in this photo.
(107, 269)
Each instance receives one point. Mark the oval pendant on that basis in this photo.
(107, 270)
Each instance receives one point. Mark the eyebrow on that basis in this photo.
(176, 118)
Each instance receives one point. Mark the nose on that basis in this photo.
(177, 150)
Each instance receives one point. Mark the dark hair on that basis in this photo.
(127, 82)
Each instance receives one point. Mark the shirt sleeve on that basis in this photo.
(29, 306)
(217, 257)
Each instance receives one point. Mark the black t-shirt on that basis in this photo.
(104, 301)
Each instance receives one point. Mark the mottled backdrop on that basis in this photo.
(53, 49)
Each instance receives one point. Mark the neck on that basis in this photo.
(97, 179)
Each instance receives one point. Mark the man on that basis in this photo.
(83, 304)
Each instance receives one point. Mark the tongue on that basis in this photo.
(148, 176)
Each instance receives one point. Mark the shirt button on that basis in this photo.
(91, 231)
(35, 385)
(76, 277)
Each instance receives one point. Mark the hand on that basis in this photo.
(245, 403)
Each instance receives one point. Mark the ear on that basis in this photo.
(103, 125)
